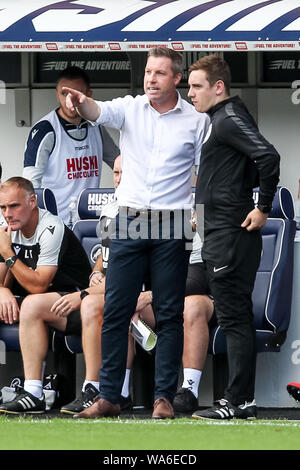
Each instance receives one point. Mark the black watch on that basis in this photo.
(11, 261)
(264, 208)
(83, 294)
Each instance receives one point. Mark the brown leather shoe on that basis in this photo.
(162, 409)
(101, 408)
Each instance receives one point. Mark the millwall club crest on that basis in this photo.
(34, 132)
(51, 229)
(17, 249)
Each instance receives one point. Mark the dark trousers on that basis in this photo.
(130, 261)
(232, 260)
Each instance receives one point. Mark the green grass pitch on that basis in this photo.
(31, 433)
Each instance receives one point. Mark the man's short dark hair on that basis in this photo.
(0, 171)
(74, 73)
(175, 57)
(216, 68)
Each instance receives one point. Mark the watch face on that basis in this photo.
(10, 261)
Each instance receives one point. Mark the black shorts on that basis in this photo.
(197, 282)
(73, 326)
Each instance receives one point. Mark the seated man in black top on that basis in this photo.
(41, 259)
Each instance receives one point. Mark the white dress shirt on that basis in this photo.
(158, 151)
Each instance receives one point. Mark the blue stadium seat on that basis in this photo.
(10, 335)
(46, 199)
(272, 295)
(90, 203)
(91, 200)
(86, 232)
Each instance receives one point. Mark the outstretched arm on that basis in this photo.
(86, 107)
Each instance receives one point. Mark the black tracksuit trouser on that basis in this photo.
(232, 259)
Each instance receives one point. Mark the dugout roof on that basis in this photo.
(136, 25)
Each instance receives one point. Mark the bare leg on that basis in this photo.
(198, 310)
(92, 318)
(131, 352)
(148, 316)
(35, 316)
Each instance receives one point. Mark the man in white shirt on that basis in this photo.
(160, 141)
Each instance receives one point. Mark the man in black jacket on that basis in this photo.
(235, 158)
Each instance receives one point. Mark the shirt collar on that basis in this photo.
(178, 105)
(219, 105)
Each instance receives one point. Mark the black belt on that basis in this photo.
(131, 211)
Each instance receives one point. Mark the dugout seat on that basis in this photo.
(272, 294)
(9, 334)
(90, 203)
(46, 199)
(91, 200)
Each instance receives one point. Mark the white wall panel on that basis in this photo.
(279, 121)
